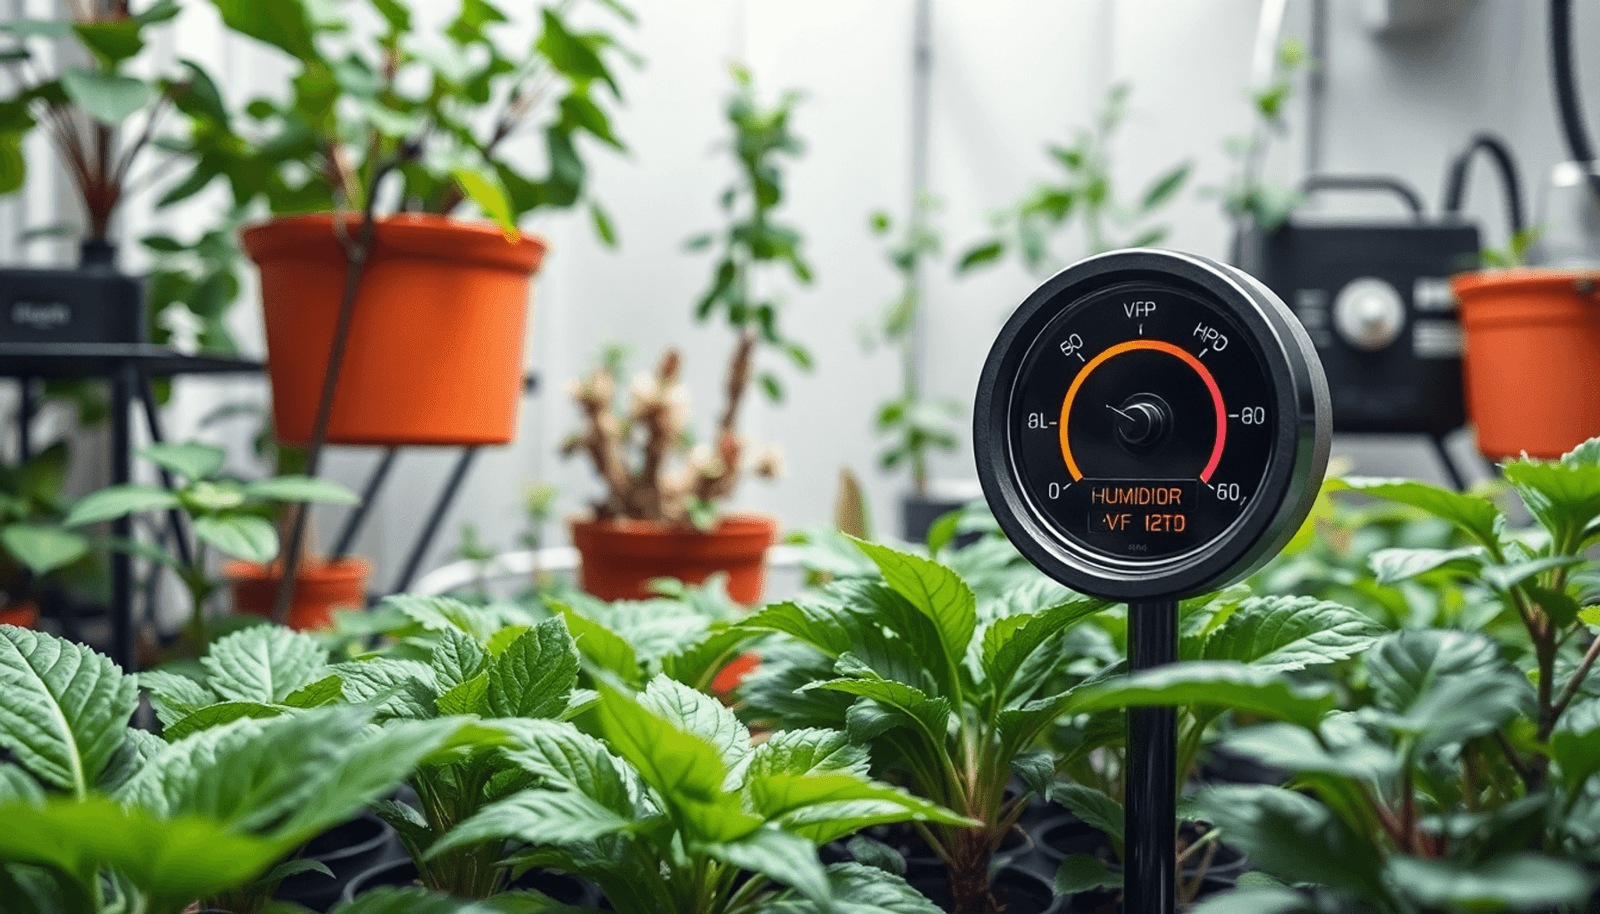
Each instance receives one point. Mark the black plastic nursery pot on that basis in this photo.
(91, 304)
(918, 514)
(1016, 890)
(347, 850)
(561, 887)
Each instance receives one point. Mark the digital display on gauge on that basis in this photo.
(1141, 422)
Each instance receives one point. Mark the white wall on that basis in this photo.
(1009, 76)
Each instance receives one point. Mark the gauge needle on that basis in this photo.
(1121, 413)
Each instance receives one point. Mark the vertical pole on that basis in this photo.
(25, 411)
(122, 627)
(1151, 803)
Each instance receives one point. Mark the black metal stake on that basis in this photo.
(1152, 803)
(435, 518)
(369, 496)
(124, 649)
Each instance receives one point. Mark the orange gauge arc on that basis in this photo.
(1157, 346)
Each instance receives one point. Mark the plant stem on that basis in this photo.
(1571, 690)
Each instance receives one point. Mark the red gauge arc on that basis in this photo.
(1155, 346)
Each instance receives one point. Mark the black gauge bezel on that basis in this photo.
(1292, 477)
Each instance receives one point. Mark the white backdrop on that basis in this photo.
(1008, 77)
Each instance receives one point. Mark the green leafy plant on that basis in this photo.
(1515, 253)
(1247, 196)
(915, 425)
(32, 542)
(103, 817)
(86, 109)
(950, 708)
(1084, 191)
(194, 282)
(671, 480)
(674, 811)
(226, 514)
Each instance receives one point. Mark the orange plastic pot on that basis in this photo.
(435, 347)
(618, 559)
(1532, 361)
(319, 589)
(22, 615)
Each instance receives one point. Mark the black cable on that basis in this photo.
(1566, 89)
(1365, 182)
(1455, 188)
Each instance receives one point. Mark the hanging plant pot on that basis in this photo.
(1532, 359)
(319, 588)
(22, 615)
(618, 559)
(435, 348)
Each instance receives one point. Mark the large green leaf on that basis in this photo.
(1209, 683)
(1290, 633)
(111, 42)
(263, 663)
(1009, 642)
(223, 712)
(243, 536)
(1084, 873)
(118, 501)
(485, 189)
(602, 647)
(1092, 806)
(778, 795)
(1516, 882)
(395, 688)
(284, 24)
(174, 696)
(43, 549)
(932, 715)
(107, 97)
(440, 613)
(828, 628)
(538, 817)
(535, 674)
(857, 889)
(299, 489)
(567, 758)
(1392, 566)
(701, 715)
(158, 855)
(64, 709)
(1564, 497)
(457, 658)
(807, 751)
(1294, 838)
(1475, 515)
(1575, 744)
(1342, 749)
(1443, 686)
(934, 590)
(192, 460)
(783, 857)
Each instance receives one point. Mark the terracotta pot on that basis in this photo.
(22, 615)
(435, 347)
(618, 559)
(318, 589)
(1532, 359)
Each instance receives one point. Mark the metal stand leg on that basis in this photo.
(1456, 482)
(1151, 876)
(369, 494)
(440, 506)
(152, 419)
(26, 408)
(123, 648)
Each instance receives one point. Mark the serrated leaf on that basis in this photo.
(831, 629)
(1563, 496)
(1092, 806)
(1405, 665)
(1392, 566)
(137, 749)
(465, 697)
(934, 590)
(535, 673)
(1474, 515)
(394, 688)
(1083, 873)
(1009, 642)
(701, 715)
(858, 889)
(1290, 633)
(1209, 683)
(263, 663)
(568, 758)
(601, 646)
(315, 694)
(783, 857)
(807, 751)
(174, 696)
(1519, 882)
(118, 501)
(457, 658)
(437, 614)
(538, 817)
(65, 707)
(932, 715)
(216, 715)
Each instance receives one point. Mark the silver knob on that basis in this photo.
(1369, 313)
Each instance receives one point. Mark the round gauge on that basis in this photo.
(1151, 425)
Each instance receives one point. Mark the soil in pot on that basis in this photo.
(1016, 891)
(347, 850)
(319, 589)
(562, 887)
(618, 559)
(435, 347)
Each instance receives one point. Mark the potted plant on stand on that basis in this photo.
(915, 425)
(659, 516)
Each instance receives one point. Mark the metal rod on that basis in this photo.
(369, 495)
(152, 419)
(122, 641)
(435, 517)
(25, 410)
(1456, 481)
(1151, 885)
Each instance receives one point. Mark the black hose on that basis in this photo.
(1566, 89)
(1365, 182)
(1455, 188)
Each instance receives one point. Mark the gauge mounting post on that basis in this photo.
(1149, 426)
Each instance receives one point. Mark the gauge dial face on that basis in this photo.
(1141, 423)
